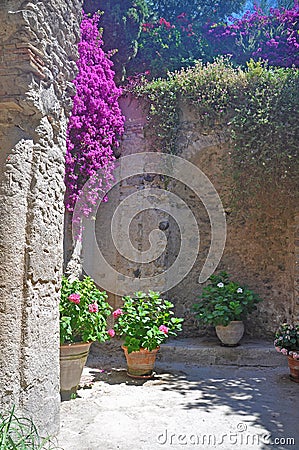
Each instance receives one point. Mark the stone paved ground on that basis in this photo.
(184, 406)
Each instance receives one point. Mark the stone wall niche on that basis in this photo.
(37, 63)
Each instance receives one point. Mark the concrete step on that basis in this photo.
(200, 351)
(206, 351)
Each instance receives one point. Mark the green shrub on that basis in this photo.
(146, 321)
(223, 301)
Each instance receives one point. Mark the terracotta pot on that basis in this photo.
(294, 369)
(140, 364)
(72, 360)
(231, 334)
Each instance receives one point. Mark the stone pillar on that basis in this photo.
(37, 63)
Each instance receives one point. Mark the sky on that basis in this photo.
(250, 3)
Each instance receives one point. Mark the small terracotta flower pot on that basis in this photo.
(231, 334)
(141, 363)
(294, 369)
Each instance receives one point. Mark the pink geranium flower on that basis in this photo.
(74, 298)
(164, 329)
(118, 312)
(93, 308)
(111, 332)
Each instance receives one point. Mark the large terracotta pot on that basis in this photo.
(231, 334)
(294, 369)
(141, 363)
(72, 360)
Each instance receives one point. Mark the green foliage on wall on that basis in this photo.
(266, 126)
(257, 108)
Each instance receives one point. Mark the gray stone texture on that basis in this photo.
(295, 240)
(262, 236)
(260, 244)
(38, 61)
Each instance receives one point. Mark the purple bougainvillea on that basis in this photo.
(96, 122)
(273, 37)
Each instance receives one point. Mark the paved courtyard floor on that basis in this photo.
(184, 406)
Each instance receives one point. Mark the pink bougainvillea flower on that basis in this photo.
(272, 37)
(95, 125)
(164, 329)
(74, 298)
(111, 332)
(118, 312)
(93, 308)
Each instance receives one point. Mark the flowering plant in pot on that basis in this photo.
(83, 311)
(287, 342)
(225, 304)
(145, 321)
(83, 319)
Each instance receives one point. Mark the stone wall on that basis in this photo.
(260, 245)
(295, 239)
(133, 142)
(37, 63)
(262, 235)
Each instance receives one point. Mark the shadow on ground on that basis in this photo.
(265, 398)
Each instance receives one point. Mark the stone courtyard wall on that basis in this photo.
(262, 236)
(37, 63)
(260, 245)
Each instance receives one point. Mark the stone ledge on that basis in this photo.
(204, 351)
(208, 351)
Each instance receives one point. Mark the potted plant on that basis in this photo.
(225, 304)
(287, 342)
(83, 319)
(145, 321)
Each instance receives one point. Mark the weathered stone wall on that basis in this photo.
(295, 239)
(37, 63)
(133, 142)
(260, 246)
(261, 236)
